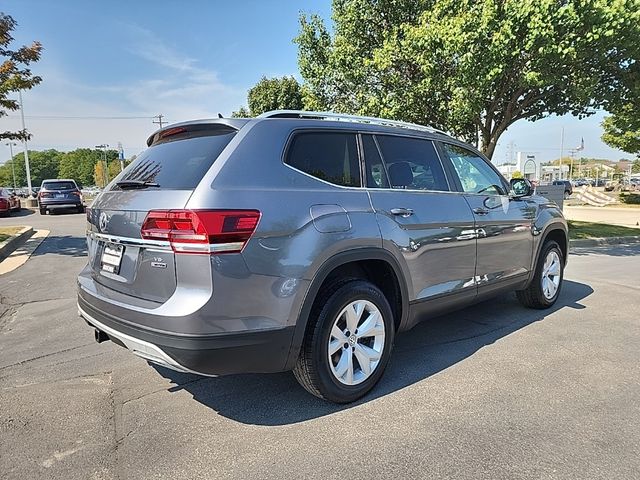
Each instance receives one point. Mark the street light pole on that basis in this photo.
(13, 167)
(24, 143)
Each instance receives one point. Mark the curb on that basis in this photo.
(14, 242)
(594, 242)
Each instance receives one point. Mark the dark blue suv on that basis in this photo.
(59, 193)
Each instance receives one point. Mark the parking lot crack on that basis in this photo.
(22, 362)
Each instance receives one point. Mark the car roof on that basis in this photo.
(323, 120)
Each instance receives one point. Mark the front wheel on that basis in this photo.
(348, 343)
(544, 289)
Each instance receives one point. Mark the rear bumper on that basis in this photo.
(60, 203)
(239, 352)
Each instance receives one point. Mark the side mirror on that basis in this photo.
(520, 187)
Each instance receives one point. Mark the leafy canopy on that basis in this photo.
(14, 72)
(272, 94)
(470, 67)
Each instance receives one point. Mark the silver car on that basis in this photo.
(305, 241)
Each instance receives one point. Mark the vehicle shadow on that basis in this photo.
(432, 346)
(69, 245)
(23, 212)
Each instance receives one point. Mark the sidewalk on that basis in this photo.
(627, 217)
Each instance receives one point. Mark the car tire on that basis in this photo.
(566, 195)
(339, 376)
(80, 209)
(43, 211)
(544, 289)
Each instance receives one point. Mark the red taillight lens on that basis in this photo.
(44, 194)
(201, 231)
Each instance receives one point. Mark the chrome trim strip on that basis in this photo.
(140, 242)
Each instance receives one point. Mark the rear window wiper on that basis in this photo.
(124, 184)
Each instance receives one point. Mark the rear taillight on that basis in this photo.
(76, 193)
(201, 231)
(44, 194)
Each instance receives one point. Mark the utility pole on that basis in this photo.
(159, 122)
(24, 143)
(561, 151)
(13, 166)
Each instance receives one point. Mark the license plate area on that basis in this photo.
(60, 195)
(111, 259)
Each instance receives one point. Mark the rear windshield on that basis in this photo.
(59, 185)
(178, 164)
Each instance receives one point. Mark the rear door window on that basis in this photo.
(412, 163)
(59, 185)
(329, 156)
(178, 164)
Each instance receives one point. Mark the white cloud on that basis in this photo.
(177, 87)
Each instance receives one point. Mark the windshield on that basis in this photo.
(60, 185)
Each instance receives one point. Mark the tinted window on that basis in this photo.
(179, 164)
(474, 173)
(329, 156)
(412, 163)
(58, 185)
(375, 171)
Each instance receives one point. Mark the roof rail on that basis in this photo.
(342, 117)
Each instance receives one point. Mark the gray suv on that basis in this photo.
(305, 241)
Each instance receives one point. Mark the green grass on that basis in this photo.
(599, 230)
(6, 232)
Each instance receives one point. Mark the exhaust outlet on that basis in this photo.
(100, 336)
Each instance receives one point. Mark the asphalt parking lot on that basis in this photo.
(493, 391)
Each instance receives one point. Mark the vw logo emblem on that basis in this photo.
(104, 221)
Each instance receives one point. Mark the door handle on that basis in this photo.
(402, 212)
(480, 211)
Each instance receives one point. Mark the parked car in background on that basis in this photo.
(305, 241)
(568, 188)
(59, 194)
(8, 202)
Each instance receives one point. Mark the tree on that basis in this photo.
(14, 72)
(272, 94)
(622, 129)
(43, 164)
(471, 68)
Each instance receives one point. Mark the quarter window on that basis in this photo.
(374, 168)
(412, 163)
(329, 156)
(475, 175)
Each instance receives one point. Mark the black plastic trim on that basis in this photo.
(263, 351)
(365, 253)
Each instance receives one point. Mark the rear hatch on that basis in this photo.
(161, 178)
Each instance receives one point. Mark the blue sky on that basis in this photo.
(185, 60)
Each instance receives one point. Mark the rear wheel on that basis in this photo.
(43, 211)
(80, 209)
(547, 280)
(348, 342)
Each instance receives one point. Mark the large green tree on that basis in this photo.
(622, 129)
(15, 74)
(272, 94)
(43, 164)
(470, 67)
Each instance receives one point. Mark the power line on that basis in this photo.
(79, 117)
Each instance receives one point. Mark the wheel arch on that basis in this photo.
(358, 263)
